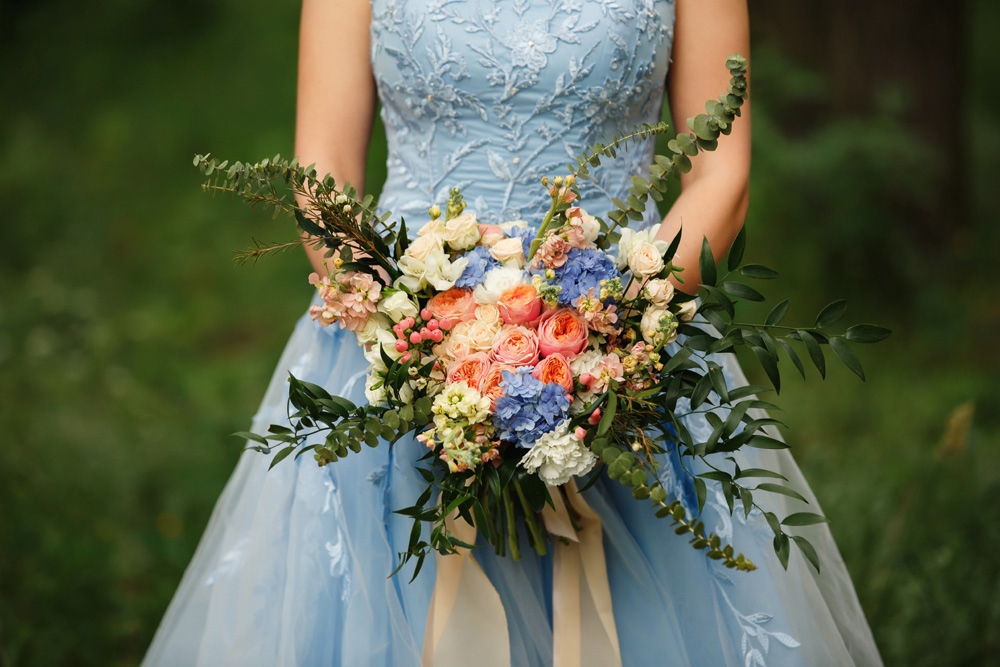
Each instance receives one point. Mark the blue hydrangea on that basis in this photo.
(480, 261)
(529, 407)
(584, 269)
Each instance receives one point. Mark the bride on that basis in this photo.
(489, 96)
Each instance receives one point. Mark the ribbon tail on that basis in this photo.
(464, 605)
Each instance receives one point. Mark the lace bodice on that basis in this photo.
(491, 95)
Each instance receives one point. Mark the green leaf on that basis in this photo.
(867, 333)
(736, 251)
(781, 549)
(391, 419)
(815, 351)
(790, 351)
(247, 435)
(769, 363)
(831, 314)
(804, 519)
(281, 456)
(759, 472)
(777, 313)
(742, 291)
(707, 263)
(758, 271)
(700, 491)
(747, 499)
(846, 354)
(783, 490)
(807, 549)
(609, 414)
(766, 442)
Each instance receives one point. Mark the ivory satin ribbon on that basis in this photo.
(465, 607)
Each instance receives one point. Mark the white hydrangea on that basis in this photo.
(632, 238)
(496, 282)
(558, 455)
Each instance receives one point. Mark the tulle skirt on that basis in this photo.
(292, 568)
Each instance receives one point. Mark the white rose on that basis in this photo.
(660, 292)
(387, 340)
(650, 325)
(558, 455)
(496, 282)
(645, 260)
(513, 224)
(490, 314)
(509, 252)
(491, 236)
(631, 238)
(591, 226)
(687, 310)
(461, 232)
(480, 335)
(422, 246)
(398, 305)
(431, 227)
(375, 323)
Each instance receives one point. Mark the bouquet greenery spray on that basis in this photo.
(523, 356)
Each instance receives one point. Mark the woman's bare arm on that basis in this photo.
(715, 194)
(336, 93)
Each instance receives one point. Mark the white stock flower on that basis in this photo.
(630, 238)
(436, 270)
(498, 281)
(509, 252)
(398, 305)
(558, 455)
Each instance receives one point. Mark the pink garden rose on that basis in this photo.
(471, 370)
(455, 305)
(517, 346)
(561, 331)
(555, 368)
(520, 305)
(491, 383)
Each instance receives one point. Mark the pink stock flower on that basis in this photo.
(520, 305)
(359, 295)
(593, 312)
(552, 252)
(608, 369)
(517, 346)
(561, 331)
(471, 370)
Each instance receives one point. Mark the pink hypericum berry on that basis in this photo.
(425, 333)
(426, 314)
(406, 357)
(415, 338)
(595, 416)
(402, 346)
(433, 324)
(445, 324)
(586, 378)
(408, 322)
(437, 365)
(437, 335)
(580, 433)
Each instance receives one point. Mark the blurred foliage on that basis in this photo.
(131, 346)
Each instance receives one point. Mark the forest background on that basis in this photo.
(131, 346)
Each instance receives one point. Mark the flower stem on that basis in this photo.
(546, 221)
(529, 519)
(508, 503)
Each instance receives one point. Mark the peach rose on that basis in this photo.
(520, 304)
(455, 304)
(489, 314)
(480, 335)
(471, 370)
(561, 331)
(456, 343)
(517, 346)
(491, 383)
(509, 252)
(555, 368)
(490, 234)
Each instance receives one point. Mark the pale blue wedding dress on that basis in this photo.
(490, 96)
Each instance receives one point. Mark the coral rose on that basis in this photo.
(561, 331)
(517, 346)
(555, 368)
(520, 304)
(471, 370)
(491, 382)
(455, 304)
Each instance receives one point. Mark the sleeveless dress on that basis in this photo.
(490, 96)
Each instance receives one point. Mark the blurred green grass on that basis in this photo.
(131, 346)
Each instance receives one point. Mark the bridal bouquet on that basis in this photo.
(529, 353)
